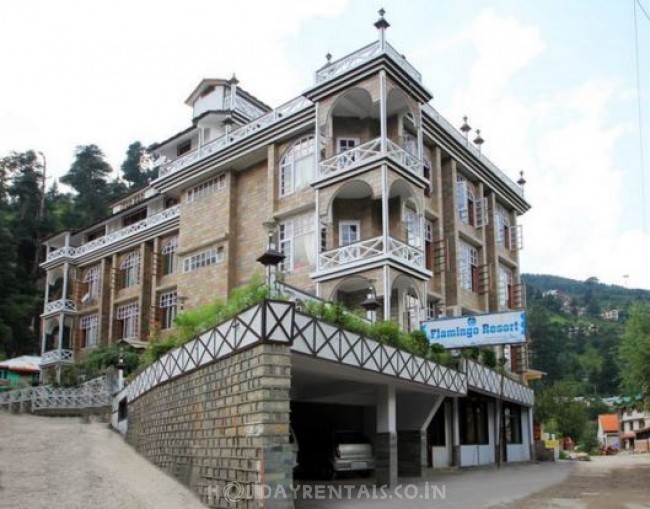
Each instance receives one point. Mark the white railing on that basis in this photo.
(366, 151)
(410, 254)
(247, 109)
(59, 398)
(350, 158)
(455, 133)
(113, 237)
(370, 248)
(360, 57)
(216, 145)
(60, 305)
(61, 356)
(404, 158)
(351, 253)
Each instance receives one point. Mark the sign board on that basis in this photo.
(478, 330)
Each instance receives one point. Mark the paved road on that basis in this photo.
(59, 462)
(465, 489)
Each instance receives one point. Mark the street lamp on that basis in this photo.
(272, 256)
(371, 304)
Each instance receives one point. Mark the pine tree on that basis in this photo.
(132, 169)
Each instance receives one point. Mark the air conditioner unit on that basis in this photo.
(452, 311)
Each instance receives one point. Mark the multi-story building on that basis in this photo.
(362, 182)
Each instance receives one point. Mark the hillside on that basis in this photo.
(576, 328)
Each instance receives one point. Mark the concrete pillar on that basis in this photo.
(386, 442)
(455, 433)
(414, 413)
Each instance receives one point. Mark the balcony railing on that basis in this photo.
(358, 155)
(57, 357)
(113, 237)
(218, 144)
(362, 56)
(371, 248)
(455, 133)
(60, 305)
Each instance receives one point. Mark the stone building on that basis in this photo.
(360, 182)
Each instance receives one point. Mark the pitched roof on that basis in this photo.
(608, 422)
(25, 363)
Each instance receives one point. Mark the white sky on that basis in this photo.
(551, 85)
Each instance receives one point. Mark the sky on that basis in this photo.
(552, 86)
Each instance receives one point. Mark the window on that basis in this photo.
(297, 166)
(468, 267)
(167, 307)
(473, 421)
(512, 423)
(89, 326)
(169, 258)
(297, 242)
(91, 280)
(170, 202)
(426, 173)
(127, 321)
(506, 294)
(205, 188)
(129, 270)
(412, 227)
(203, 259)
(411, 312)
(471, 210)
(432, 309)
(428, 244)
(345, 144)
(134, 217)
(95, 234)
(502, 219)
(349, 232)
(183, 148)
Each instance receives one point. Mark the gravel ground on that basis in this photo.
(60, 462)
(606, 482)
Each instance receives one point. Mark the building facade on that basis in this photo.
(365, 189)
(365, 186)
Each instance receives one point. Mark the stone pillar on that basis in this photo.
(455, 433)
(386, 443)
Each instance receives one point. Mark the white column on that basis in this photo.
(386, 453)
(382, 110)
(66, 274)
(455, 427)
(387, 292)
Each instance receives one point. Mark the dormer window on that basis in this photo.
(183, 148)
(95, 234)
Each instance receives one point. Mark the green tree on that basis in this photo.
(562, 410)
(88, 177)
(132, 169)
(634, 351)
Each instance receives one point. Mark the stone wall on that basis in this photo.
(225, 423)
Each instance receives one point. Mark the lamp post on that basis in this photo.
(272, 256)
(370, 305)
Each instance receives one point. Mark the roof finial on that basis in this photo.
(233, 80)
(465, 128)
(329, 58)
(479, 139)
(381, 24)
(522, 180)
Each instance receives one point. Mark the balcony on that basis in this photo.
(360, 57)
(111, 238)
(57, 306)
(371, 150)
(352, 254)
(54, 357)
(218, 144)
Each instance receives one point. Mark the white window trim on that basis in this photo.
(345, 223)
(205, 188)
(301, 149)
(205, 258)
(290, 229)
(346, 139)
(90, 324)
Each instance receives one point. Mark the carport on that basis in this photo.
(389, 395)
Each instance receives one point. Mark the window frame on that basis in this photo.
(130, 270)
(169, 255)
(168, 307)
(127, 316)
(468, 267)
(299, 152)
(89, 326)
(91, 279)
(288, 232)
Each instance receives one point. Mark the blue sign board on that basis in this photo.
(477, 330)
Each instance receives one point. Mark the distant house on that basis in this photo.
(608, 430)
(610, 315)
(19, 372)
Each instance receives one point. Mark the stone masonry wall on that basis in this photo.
(227, 422)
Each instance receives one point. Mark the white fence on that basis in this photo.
(94, 394)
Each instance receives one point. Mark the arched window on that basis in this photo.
(297, 166)
(168, 254)
(130, 269)
(91, 280)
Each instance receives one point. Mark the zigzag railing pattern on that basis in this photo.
(486, 380)
(58, 398)
(319, 339)
(267, 322)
